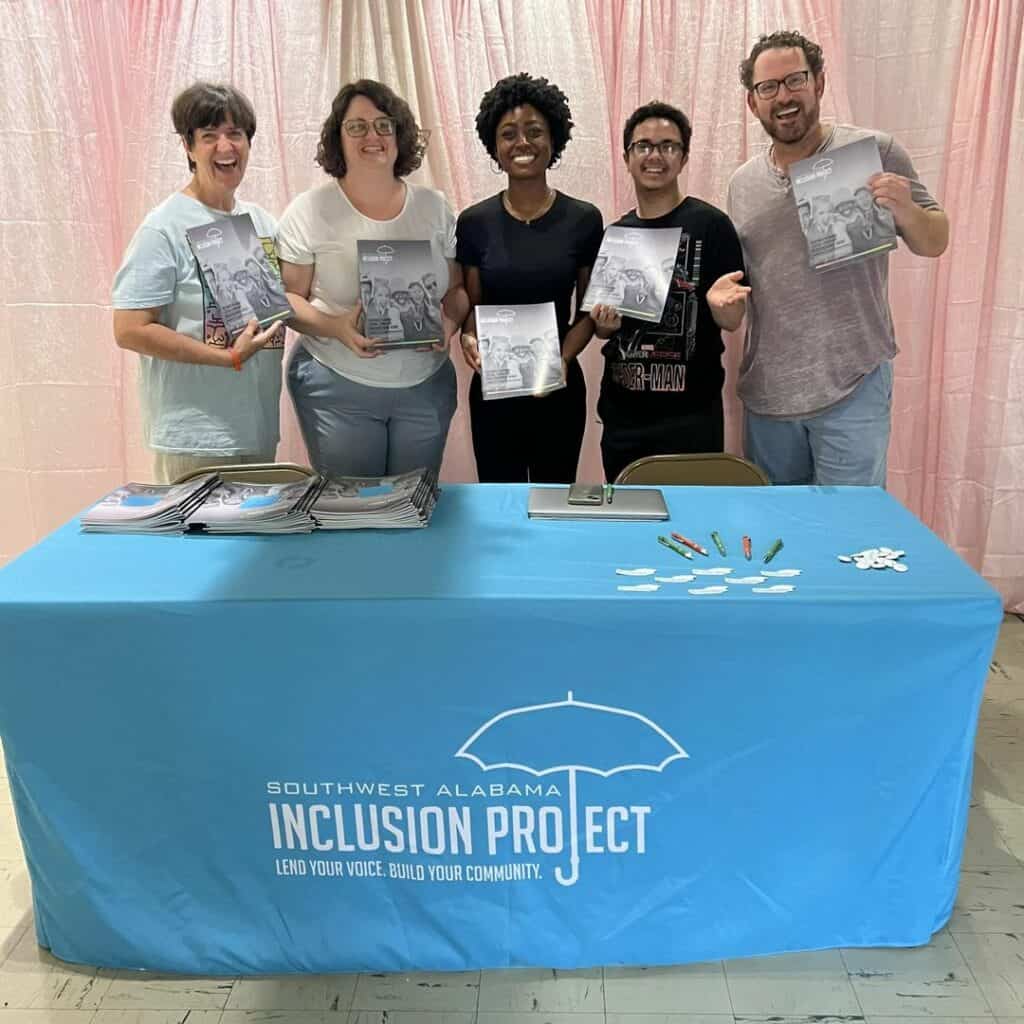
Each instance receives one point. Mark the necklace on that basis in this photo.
(782, 176)
(536, 215)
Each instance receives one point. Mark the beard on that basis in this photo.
(795, 130)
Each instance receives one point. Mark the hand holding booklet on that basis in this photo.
(838, 214)
(240, 272)
(633, 271)
(400, 293)
(520, 353)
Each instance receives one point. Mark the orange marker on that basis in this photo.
(746, 548)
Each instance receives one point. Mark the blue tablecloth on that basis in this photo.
(465, 747)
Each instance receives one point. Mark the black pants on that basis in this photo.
(624, 441)
(520, 440)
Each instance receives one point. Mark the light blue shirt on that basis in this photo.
(189, 408)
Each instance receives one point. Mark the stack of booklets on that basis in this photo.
(208, 504)
(149, 508)
(388, 502)
(239, 507)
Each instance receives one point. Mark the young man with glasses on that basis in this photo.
(816, 374)
(662, 387)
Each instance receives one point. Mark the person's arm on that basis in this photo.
(343, 327)
(726, 298)
(139, 330)
(579, 335)
(925, 231)
(474, 293)
(454, 305)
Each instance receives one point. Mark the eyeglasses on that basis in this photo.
(357, 127)
(667, 147)
(794, 82)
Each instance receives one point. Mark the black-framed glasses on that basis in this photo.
(667, 147)
(357, 127)
(795, 81)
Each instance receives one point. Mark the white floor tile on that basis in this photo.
(795, 985)
(153, 1017)
(456, 992)
(997, 963)
(490, 1017)
(131, 990)
(688, 989)
(329, 992)
(932, 981)
(668, 1018)
(1010, 823)
(534, 991)
(31, 979)
(985, 845)
(47, 1016)
(15, 892)
(277, 1017)
(989, 900)
(411, 1017)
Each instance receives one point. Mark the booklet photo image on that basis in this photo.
(838, 215)
(400, 293)
(520, 351)
(633, 271)
(241, 273)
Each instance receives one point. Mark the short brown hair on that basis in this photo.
(786, 40)
(411, 141)
(208, 104)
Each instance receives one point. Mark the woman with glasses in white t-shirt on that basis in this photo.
(364, 412)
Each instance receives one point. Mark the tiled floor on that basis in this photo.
(972, 970)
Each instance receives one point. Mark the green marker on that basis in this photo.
(718, 543)
(674, 547)
(773, 551)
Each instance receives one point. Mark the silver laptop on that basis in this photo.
(637, 504)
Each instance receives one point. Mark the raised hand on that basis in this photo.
(606, 320)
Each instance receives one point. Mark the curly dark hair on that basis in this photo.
(208, 104)
(412, 142)
(657, 109)
(785, 40)
(513, 92)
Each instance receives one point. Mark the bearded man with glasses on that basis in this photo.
(661, 392)
(816, 375)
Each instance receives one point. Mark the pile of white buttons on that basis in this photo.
(877, 558)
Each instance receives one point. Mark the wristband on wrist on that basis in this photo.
(235, 361)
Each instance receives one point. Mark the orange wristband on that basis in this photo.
(235, 361)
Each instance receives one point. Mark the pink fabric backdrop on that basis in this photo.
(86, 148)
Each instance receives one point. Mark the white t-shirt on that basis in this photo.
(189, 408)
(321, 227)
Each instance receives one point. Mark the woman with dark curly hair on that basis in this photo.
(364, 412)
(528, 244)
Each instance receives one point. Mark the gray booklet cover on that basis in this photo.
(633, 271)
(519, 350)
(400, 293)
(838, 214)
(240, 271)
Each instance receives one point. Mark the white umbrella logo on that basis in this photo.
(571, 736)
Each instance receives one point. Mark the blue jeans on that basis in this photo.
(352, 429)
(848, 443)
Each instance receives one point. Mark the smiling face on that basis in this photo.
(654, 170)
(221, 154)
(789, 116)
(523, 142)
(371, 151)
